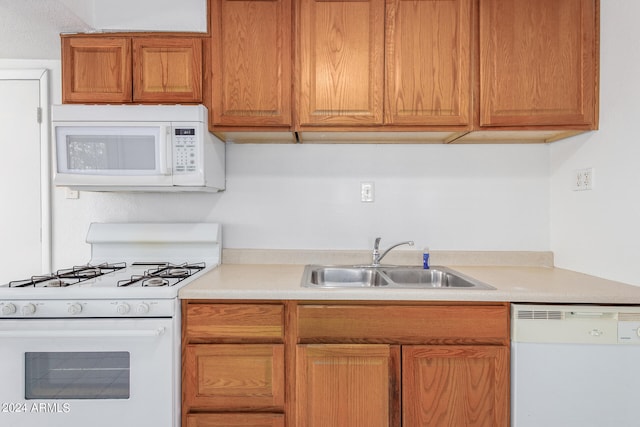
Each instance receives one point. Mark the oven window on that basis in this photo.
(77, 375)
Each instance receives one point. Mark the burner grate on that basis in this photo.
(69, 276)
(163, 274)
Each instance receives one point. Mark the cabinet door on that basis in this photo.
(251, 61)
(235, 420)
(96, 69)
(538, 62)
(167, 69)
(455, 386)
(428, 62)
(347, 385)
(233, 377)
(341, 62)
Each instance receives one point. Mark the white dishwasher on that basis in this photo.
(575, 366)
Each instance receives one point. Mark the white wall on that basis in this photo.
(307, 196)
(598, 231)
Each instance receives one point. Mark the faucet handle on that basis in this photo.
(376, 244)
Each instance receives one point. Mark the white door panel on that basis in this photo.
(23, 179)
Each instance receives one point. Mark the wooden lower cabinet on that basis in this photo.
(455, 386)
(350, 364)
(234, 377)
(347, 385)
(235, 420)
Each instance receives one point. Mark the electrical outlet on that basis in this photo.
(583, 179)
(367, 191)
(71, 194)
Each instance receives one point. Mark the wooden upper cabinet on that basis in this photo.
(428, 62)
(538, 62)
(341, 62)
(167, 69)
(124, 69)
(251, 62)
(96, 69)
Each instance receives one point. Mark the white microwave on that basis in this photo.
(136, 148)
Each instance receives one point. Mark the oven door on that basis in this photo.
(98, 372)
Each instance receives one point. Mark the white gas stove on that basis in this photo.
(134, 269)
(101, 341)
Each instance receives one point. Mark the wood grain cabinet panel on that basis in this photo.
(96, 69)
(167, 69)
(99, 69)
(234, 377)
(251, 62)
(341, 54)
(347, 385)
(428, 62)
(455, 386)
(538, 62)
(234, 323)
(235, 420)
(448, 324)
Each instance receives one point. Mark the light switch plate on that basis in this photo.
(367, 192)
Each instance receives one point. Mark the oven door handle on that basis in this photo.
(84, 333)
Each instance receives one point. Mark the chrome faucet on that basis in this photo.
(377, 256)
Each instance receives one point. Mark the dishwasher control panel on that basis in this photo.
(629, 332)
(575, 324)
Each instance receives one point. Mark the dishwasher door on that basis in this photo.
(575, 366)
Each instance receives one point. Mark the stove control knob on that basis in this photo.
(143, 308)
(123, 308)
(8, 309)
(28, 309)
(75, 308)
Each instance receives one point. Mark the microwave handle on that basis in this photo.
(166, 144)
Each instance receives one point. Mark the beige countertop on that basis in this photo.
(536, 284)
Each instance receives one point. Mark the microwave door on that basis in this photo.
(114, 155)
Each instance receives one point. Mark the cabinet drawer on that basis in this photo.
(234, 322)
(235, 420)
(234, 377)
(441, 324)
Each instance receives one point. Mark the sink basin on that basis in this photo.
(346, 277)
(322, 276)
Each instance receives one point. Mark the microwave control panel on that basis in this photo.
(185, 150)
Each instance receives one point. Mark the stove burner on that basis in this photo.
(56, 283)
(178, 272)
(155, 282)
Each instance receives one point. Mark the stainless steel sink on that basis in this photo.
(354, 276)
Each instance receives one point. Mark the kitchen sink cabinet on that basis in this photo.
(349, 384)
(233, 364)
(251, 63)
(345, 363)
(125, 69)
(539, 63)
(455, 385)
(403, 365)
